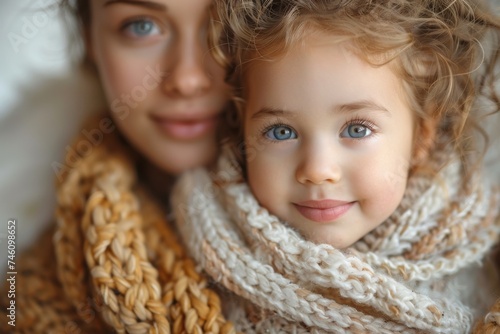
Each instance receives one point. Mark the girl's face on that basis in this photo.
(328, 140)
(165, 91)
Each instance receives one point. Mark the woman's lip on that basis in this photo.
(323, 211)
(188, 129)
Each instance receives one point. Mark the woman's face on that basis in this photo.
(165, 90)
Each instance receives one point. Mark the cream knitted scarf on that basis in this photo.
(381, 284)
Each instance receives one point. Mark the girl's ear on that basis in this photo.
(425, 136)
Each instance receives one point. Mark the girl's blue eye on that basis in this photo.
(281, 132)
(141, 28)
(356, 131)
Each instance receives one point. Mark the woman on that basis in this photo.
(115, 264)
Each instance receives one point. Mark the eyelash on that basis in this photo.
(273, 124)
(363, 122)
(354, 121)
(139, 19)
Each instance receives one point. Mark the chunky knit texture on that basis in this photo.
(388, 282)
(115, 265)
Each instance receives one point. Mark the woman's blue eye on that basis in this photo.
(142, 28)
(281, 132)
(356, 131)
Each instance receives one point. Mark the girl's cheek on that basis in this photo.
(396, 177)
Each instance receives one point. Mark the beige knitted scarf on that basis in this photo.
(117, 258)
(382, 284)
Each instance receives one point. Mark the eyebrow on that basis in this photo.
(369, 105)
(267, 112)
(343, 108)
(147, 4)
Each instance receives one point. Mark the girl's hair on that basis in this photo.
(444, 51)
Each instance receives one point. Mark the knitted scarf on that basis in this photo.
(384, 283)
(116, 257)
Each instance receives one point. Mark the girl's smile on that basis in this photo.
(324, 211)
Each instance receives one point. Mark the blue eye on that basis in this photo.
(281, 132)
(356, 131)
(141, 28)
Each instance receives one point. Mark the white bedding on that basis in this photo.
(42, 102)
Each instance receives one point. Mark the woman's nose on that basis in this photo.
(188, 75)
(318, 166)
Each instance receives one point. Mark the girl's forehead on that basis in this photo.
(301, 40)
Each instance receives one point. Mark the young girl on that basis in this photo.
(357, 205)
(115, 265)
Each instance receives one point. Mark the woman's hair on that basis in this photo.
(76, 14)
(444, 51)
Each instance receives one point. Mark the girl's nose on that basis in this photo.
(318, 166)
(188, 75)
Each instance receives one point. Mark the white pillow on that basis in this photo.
(43, 102)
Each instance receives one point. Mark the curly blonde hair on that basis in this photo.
(444, 51)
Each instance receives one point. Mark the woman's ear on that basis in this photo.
(87, 41)
(425, 138)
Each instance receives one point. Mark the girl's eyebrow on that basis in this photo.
(147, 4)
(266, 112)
(362, 105)
(344, 108)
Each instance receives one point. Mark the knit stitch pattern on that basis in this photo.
(115, 266)
(373, 287)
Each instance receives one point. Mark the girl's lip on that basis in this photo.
(323, 211)
(188, 129)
